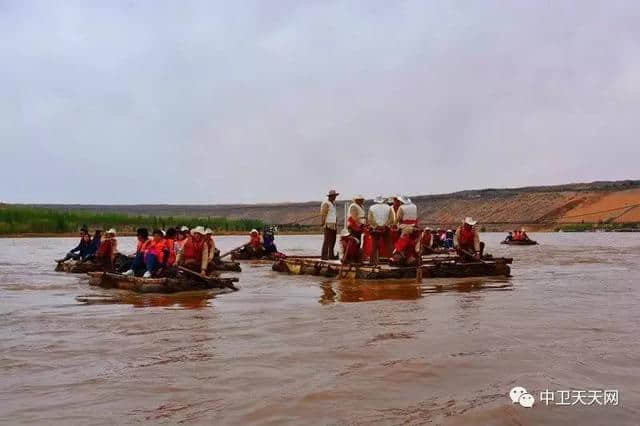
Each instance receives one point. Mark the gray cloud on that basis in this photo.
(202, 102)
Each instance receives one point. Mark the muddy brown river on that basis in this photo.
(310, 350)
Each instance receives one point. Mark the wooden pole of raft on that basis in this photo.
(419, 267)
(234, 250)
(205, 278)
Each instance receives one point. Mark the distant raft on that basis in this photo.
(520, 242)
(432, 267)
(160, 285)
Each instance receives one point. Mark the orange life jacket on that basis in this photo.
(192, 249)
(142, 246)
(254, 241)
(171, 246)
(425, 241)
(157, 248)
(105, 249)
(466, 238)
(406, 245)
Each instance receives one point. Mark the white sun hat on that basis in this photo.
(111, 231)
(198, 230)
(254, 231)
(184, 229)
(208, 231)
(358, 197)
(469, 221)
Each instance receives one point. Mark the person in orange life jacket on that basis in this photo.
(426, 240)
(107, 250)
(356, 219)
(254, 246)
(195, 252)
(141, 249)
(170, 241)
(349, 248)
(404, 253)
(467, 241)
(523, 235)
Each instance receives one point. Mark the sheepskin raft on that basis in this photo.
(432, 267)
(225, 266)
(77, 267)
(520, 242)
(157, 285)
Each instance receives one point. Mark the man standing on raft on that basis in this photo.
(329, 221)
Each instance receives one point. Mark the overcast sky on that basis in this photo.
(221, 102)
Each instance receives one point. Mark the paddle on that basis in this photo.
(205, 278)
(468, 253)
(234, 250)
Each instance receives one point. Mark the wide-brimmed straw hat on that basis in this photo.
(197, 230)
(332, 192)
(254, 231)
(111, 231)
(469, 221)
(184, 229)
(358, 197)
(379, 200)
(208, 231)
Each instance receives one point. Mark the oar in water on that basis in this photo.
(234, 250)
(205, 278)
(468, 253)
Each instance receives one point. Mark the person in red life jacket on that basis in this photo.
(170, 241)
(141, 248)
(523, 235)
(380, 219)
(107, 250)
(467, 241)
(517, 235)
(404, 253)
(195, 252)
(350, 248)
(156, 255)
(426, 241)
(356, 219)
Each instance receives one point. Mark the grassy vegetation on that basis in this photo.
(26, 220)
(587, 227)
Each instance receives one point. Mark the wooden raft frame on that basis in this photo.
(432, 267)
(155, 285)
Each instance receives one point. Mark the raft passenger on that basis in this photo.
(467, 241)
(194, 253)
(82, 250)
(356, 220)
(329, 223)
(268, 240)
(380, 219)
(106, 253)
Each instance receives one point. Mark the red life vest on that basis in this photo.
(466, 238)
(156, 248)
(142, 246)
(406, 245)
(254, 241)
(192, 249)
(353, 225)
(350, 249)
(425, 241)
(105, 249)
